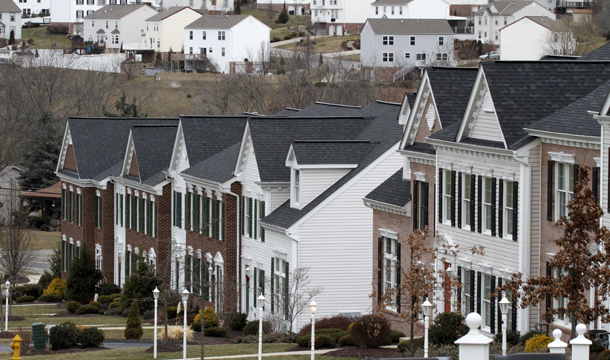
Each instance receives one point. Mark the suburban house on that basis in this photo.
(233, 43)
(391, 45)
(114, 25)
(340, 17)
(72, 13)
(214, 7)
(33, 8)
(9, 191)
(294, 7)
(533, 37)
(489, 20)
(10, 20)
(410, 9)
(165, 30)
(466, 7)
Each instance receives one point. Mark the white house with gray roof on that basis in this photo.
(165, 30)
(489, 20)
(228, 41)
(532, 37)
(10, 19)
(410, 9)
(388, 45)
(214, 6)
(114, 25)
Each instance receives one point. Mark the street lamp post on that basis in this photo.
(156, 296)
(185, 297)
(504, 305)
(260, 302)
(427, 309)
(314, 308)
(8, 286)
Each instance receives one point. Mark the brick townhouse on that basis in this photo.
(490, 172)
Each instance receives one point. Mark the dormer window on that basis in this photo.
(297, 186)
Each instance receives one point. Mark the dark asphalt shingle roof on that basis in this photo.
(411, 96)
(505, 7)
(153, 146)
(331, 152)
(99, 143)
(410, 26)
(326, 109)
(601, 53)
(114, 11)
(574, 119)
(287, 112)
(391, 2)
(394, 191)
(9, 6)
(420, 147)
(169, 12)
(218, 168)
(451, 87)
(384, 128)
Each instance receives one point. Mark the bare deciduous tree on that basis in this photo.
(17, 245)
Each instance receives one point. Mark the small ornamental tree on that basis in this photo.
(83, 277)
(11, 39)
(579, 264)
(238, 7)
(134, 324)
(283, 18)
(140, 285)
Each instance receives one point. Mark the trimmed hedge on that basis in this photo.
(104, 299)
(252, 328)
(73, 306)
(90, 337)
(52, 298)
(24, 299)
(324, 341)
(87, 309)
(215, 332)
(396, 335)
(346, 340)
(63, 336)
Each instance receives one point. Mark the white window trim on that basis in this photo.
(466, 203)
(393, 259)
(562, 157)
(484, 205)
(485, 303)
(506, 205)
(557, 191)
(446, 198)
(296, 191)
(556, 320)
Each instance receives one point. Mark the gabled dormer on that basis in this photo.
(67, 157)
(423, 117)
(180, 159)
(315, 165)
(405, 108)
(130, 163)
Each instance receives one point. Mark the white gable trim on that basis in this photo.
(473, 92)
(179, 143)
(67, 140)
(417, 112)
(129, 156)
(246, 140)
(405, 111)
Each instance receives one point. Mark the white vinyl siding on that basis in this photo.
(315, 181)
(486, 125)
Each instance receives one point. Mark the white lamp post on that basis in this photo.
(8, 286)
(156, 296)
(185, 297)
(314, 308)
(427, 310)
(504, 305)
(260, 302)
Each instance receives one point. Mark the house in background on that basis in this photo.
(72, 13)
(33, 8)
(294, 7)
(9, 191)
(115, 25)
(233, 43)
(410, 9)
(391, 45)
(489, 20)
(214, 7)
(10, 20)
(165, 30)
(340, 17)
(532, 37)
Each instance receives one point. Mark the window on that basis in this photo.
(407, 55)
(487, 204)
(115, 39)
(485, 20)
(388, 40)
(400, 10)
(467, 201)
(80, 2)
(479, 35)
(92, 23)
(412, 40)
(158, 42)
(210, 50)
(223, 51)
(279, 285)
(190, 36)
(497, 35)
(485, 34)
(448, 195)
(106, 24)
(508, 201)
(560, 302)
(204, 35)
(496, 19)
(98, 212)
(564, 178)
(177, 209)
(479, 20)
(441, 40)
(376, 10)
(445, 56)
(316, 13)
(190, 50)
(79, 15)
(438, 56)
(390, 57)
(486, 300)
(390, 267)
(384, 9)
(420, 205)
(221, 35)
(392, 10)
(467, 287)
(297, 186)
(505, 20)
(421, 56)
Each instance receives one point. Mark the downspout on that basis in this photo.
(238, 238)
(525, 230)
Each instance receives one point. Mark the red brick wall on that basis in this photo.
(105, 235)
(133, 169)
(423, 130)
(70, 161)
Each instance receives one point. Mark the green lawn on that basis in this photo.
(46, 240)
(324, 45)
(44, 40)
(25, 310)
(192, 351)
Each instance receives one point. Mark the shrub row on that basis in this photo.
(67, 336)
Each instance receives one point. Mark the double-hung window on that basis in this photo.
(467, 201)
(560, 301)
(388, 40)
(221, 35)
(487, 204)
(297, 186)
(279, 286)
(441, 40)
(376, 10)
(177, 209)
(204, 35)
(467, 287)
(447, 196)
(486, 310)
(253, 211)
(190, 35)
(390, 267)
(412, 40)
(508, 210)
(392, 10)
(420, 205)
(564, 178)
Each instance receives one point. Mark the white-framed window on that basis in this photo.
(561, 301)
(496, 19)
(296, 187)
(480, 35)
(388, 40)
(421, 56)
(223, 51)
(376, 10)
(487, 204)
(106, 24)
(441, 40)
(486, 300)
(412, 40)
(158, 42)
(407, 55)
(79, 15)
(190, 50)
(191, 35)
(508, 209)
(392, 10)
(505, 20)
(279, 281)
(485, 20)
(210, 50)
(400, 10)
(564, 192)
(479, 20)
(447, 188)
(466, 290)
(390, 267)
(204, 35)
(385, 9)
(497, 35)
(92, 23)
(221, 35)
(316, 13)
(466, 201)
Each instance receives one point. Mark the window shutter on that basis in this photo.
(453, 198)
(550, 189)
(398, 276)
(206, 216)
(549, 299)
(179, 219)
(441, 189)
(155, 219)
(286, 291)
(501, 209)
(576, 172)
(255, 219)
(595, 185)
(415, 205)
(492, 323)
(479, 202)
(424, 204)
(249, 217)
(515, 210)
(272, 285)
(478, 292)
(493, 207)
(222, 220)
(262, 281)
(255, 286)
(459, 290)
(187, 271)
(473, 181)
(472, 288)
(262, 217)
(459, 201)
(498, 311)
(379, 269)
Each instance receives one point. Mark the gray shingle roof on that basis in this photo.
(153, 145)
(391, 2)
(9, 6)
(574, 119)
(546, 22)
(451, 88)
(216, 22)
(327, 109)
(169, 12)
(384, 128)
(420, 147)
(410, 26)
(217, 168)
(99, 143)
(394, 191)
(331, 151)
(505, 7)
(287, 112)
(601, 53)
(114, 11)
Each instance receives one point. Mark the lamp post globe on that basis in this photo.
(185, 297)
(427, 310)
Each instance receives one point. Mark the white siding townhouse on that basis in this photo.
(340, 17)
(533, 37)
(114, 25)
(489, 20)
(72, 13)
(228, 41)
(10, 20)
(410, 9)
(31, 8)
(213, 6)
(389, 45)
(165, 30)
(294, 7)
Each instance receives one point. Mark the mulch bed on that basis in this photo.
(163, 348)
(355, 352)
(7, 335)
(64, 351)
